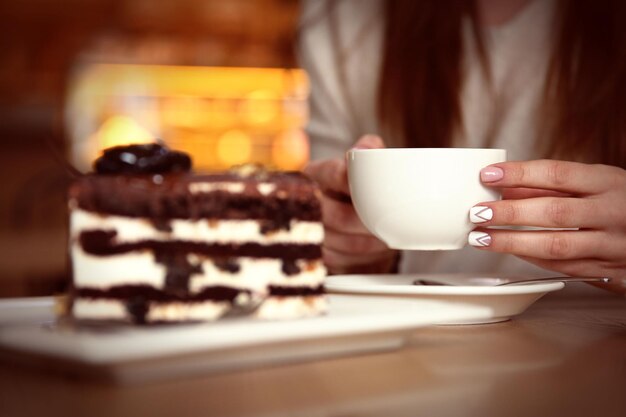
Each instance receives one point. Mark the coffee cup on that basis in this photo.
(419, 198)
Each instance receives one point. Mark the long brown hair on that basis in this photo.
(585, 96)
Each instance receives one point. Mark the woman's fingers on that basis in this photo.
(341, 216)
(355, 244)
(369, 142)
(556, 194)
(568, 177)
(549, 244)
(348, 245)
(347, 253)
(521, 193)
(330, 174)
(552, 212)
(341, 262)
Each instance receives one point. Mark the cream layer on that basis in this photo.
(264, 188)
(208, 187)
(279, 308)
(107, 309)
(140, 268)
(272, 308)
(133, 229)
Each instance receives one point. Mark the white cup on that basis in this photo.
(419, 198)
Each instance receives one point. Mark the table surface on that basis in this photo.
(566, 355)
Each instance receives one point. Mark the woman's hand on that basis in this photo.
(590, 199)
(348, 246)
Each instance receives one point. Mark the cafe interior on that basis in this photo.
(221, 81)
(206, 77)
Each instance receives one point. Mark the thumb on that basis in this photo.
(369, 142)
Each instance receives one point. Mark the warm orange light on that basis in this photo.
(122, 130)
(261, 107)
(290, 150)
(234, 147)
(185, 112)
(200, 147)
(222, 116)
(218, 82)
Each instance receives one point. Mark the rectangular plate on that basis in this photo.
(134, 354)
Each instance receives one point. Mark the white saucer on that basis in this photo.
(502, 302)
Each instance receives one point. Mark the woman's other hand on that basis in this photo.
(348, 246)
(589, 200)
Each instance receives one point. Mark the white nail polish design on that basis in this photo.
(479, 239)
(480, 214)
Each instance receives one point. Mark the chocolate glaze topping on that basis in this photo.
(142, 159)
(139, 196)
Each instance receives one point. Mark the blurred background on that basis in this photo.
(215, 78)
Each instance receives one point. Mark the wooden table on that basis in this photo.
(565, 356)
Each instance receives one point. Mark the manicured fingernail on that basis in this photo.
(368, 142)
(491, 174)
(480, 214)
(479, 239)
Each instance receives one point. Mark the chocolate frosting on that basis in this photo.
(142, 159)
(295, 197)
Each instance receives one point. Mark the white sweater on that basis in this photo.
(344, 109)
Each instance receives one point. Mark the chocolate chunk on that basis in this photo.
(177, 281)
(162, 225)
(289, 267)
(179, 271)
(142, 159)
(137, 307)
(227, 264)
(97, 240)
(268, 226)
(280, 291)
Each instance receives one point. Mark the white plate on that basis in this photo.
(502, 302)
(131, 354)
(26, 310)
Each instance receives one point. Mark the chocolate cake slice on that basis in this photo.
(151, 242)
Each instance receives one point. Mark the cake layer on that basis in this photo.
(133, 229)
(135, 268)
(272, 309)
(139, 304)
(100, 242)
(216, 293)
(147, 293)
(117, 310)
(276, 197)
